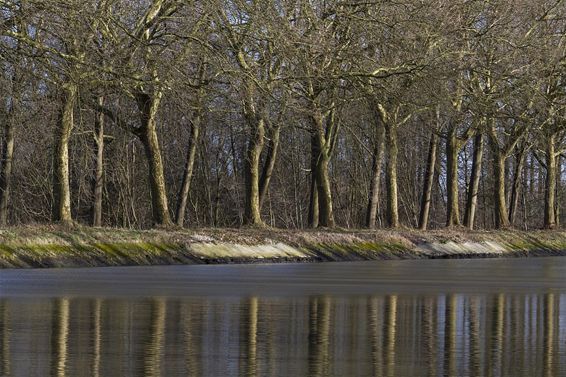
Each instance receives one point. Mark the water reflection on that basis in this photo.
(154, 351)
(318, 339)
(59, 336)
(188, 319)
(249, 343)
(5, 336)
(391, 335)
(97, 331)
(548, 323)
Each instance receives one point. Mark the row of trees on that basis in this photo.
(290, 113)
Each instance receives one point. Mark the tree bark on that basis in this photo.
(391, 174)
(473, 189)
(252, 210)
(188, 171)
(514, 202)
(550, 184)
(377, 162)
(323, 145)
(428, 182)
(6, 172)
(99, 168)
(325, 212)
(147, 133)
(61, 186)
(313, 202)
(558, 190)
(269, 165)
(452, 149)
(501, 214)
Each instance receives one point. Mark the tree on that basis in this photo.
(61, 55)
(142, 73)
(429, 174)
(290, 113)
(249, 40)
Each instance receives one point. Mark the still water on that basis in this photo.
(389, 318)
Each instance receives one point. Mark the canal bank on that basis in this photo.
(39, 247)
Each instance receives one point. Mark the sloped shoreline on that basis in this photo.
(48, 247)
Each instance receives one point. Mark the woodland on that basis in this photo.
(286, 113)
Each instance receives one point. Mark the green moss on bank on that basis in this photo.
(28, 247)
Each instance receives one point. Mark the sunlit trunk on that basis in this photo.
(188, 171)
(515, 190)
(269, 165)
(501, 214)
(313, 200)
(61, 186)
(428, 182)
(377, 162)
(147, 133)
(325, 212)
(321, 174)
(6, 171)
(252, 210)
(473, 188)
(452, 190)
(391, 175)
(99, 167)
(550, 184)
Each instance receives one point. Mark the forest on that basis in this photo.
(287, 113)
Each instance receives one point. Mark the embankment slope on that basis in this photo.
(34, 247)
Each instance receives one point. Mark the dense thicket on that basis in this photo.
(288, 113)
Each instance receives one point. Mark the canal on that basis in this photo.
(498, 317)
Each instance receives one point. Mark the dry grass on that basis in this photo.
(48, 246)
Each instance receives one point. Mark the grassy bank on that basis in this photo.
(28, 247)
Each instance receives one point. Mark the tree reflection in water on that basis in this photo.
(5, 339)
(390, 335)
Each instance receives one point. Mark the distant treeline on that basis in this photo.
(289, 113)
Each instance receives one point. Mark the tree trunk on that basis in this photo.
(99, 168)
(378, 152)
(391, 174)
(252, 210)
(428, 182)
(325, 213)
(313, 202)
(6, 172)
(148, 136)
(558, 190)
(472, 200)
(514, 203)
(61, 186)
(550, 184)
(269, 165)
(8, 148)
(188, 171)
(322, 143)
(501, 214)
(452, 209)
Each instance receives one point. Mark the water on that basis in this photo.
(396, 318)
